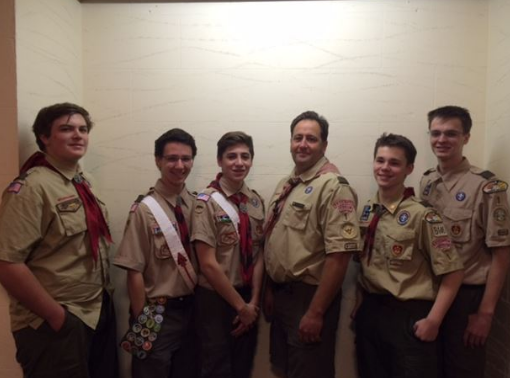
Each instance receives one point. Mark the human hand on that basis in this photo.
(310, 327)
(426, 329)
(477, 331)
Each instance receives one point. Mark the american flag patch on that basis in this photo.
(203, 197)
(14, 187)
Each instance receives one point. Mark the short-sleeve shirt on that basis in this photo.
(474, 207)
(43, 225)
(144, 248)
(317, 218)
(213, 226)
(411, 251)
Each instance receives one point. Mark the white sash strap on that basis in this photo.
(174, 243)
(227, 208)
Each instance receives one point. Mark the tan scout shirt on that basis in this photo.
(318, 217)
(42, 224)
(212, 226)
(411, 250)
(474, 206)
(144, 248)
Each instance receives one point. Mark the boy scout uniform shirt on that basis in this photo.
(318, 217)
(411, 250)
(144, 248)
(213, 226)
(43, 225)
(474, 207)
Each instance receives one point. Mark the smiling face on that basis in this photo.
(447, 139)
(175, 165)
(390, 167)
(235, 163)
(306, 145)
(68, 139)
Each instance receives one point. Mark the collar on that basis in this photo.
(62, 169)
(229, 191)
(392, 208)
(453, 176)
(312, 172)
(171, 197)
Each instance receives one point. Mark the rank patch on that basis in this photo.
(344, 206)
(403, 217)
(397, 249)
(460, 196)
(499, 214)
(433, 217)
(349, 231)
(456, 230)
(495, 186)
(203, 197)
(443, 243)
(439, 230)
(308, 189)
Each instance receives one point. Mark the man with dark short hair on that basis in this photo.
(54, 241)
(161, 267)
(311, 232)
(474, 205)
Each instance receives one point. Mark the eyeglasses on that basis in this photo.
(174, 159)
(449, 134)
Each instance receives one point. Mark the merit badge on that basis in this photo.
(433, 217)
(137, 327)
(439, 230)
(158, 318)
(153, 336)
(495, 186)
(147, 345)
(145, 332)
(460, 196)
(203, 197)
(255, 202)
(142, 319)
(365, 214)
(426, 190)
(344, 206)
(499, 214)
(308, 189)
(397, 249)
(403, 217)
(443, 243)
(349, 231)
(456, 230)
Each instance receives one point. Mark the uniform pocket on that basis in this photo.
(297, 216)
(458, 222)
(399, 247)
(72, 215)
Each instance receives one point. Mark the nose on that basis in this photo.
(303, 143)
(179, 164)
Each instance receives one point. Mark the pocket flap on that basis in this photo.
(457, 214)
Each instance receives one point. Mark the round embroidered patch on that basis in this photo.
(308, 189)
(403, 217)
(460, 196)
(456, 230)
(397, 249)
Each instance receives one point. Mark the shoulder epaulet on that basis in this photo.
(343, 180)
(16, 185)
(135, 204)
(425, 203)
(486, 174)
(428, 171)
(194, 193)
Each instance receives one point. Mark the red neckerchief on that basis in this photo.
(96, 224)
(372, 227)
(246, 243)
(183, 227)
(287, 189)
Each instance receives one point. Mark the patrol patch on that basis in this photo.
(499, 214)
(503, 232)
(14, 187)
(365, 214)
(426, 190)
(433, 217)
(349, 231)
(460, 196)
(397, 249)
(228, 238)
(495, 186)
(255, 202)
(456, 230)
(403, 217)
(203, 197)
(439, 230)
(443, 243)
(308, 189)
(351, 246)
(344, 206)
(69, 206)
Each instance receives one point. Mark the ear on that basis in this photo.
(157, 160)
(324, 146)
(45, 140)
(466, 138)
(409, 169)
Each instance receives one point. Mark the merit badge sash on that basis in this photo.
(174, 243)
(227, 208)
